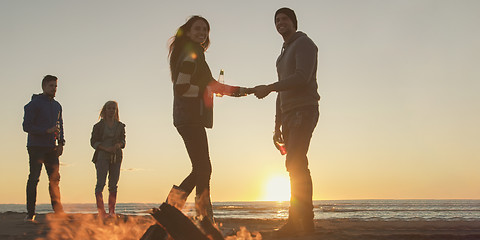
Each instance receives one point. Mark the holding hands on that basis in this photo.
(242, 91)
(260, 91)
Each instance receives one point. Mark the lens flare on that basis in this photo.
(277, 188)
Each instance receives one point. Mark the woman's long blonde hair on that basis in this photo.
(104, 110)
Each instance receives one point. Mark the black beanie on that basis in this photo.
(289, 12)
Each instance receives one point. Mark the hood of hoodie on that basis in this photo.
(41, 97)
(295, 36)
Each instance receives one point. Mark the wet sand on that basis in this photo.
(87, 226)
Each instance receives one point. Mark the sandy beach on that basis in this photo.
(86, 226)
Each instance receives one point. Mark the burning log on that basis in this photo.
(179, 226)
(155, 232)
(172, 221)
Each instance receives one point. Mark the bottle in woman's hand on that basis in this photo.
(221, 79)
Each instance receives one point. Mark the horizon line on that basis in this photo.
(245, 201)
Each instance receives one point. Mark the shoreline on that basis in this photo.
(87, 226)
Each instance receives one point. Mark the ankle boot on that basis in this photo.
(100, 204)
(297, 224)
(203, 205)
(112, 200)
(177, 197)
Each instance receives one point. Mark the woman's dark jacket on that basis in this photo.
(97, 138)
(193, 86)
(192, 102)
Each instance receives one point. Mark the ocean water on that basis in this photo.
(388, 210)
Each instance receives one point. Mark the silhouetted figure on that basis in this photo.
(193, 87)
(108, 140)
(44, 124)
(296, 115)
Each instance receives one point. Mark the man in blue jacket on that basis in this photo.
(296, 115)
(44, 124)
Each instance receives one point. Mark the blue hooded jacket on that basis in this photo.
(42, 113)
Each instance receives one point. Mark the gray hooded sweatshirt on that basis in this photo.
(297, 75)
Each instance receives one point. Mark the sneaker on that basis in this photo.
(30, 218)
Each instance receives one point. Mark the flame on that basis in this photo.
(244, 234)
(88, 226)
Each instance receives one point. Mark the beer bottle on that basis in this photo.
(221, 79)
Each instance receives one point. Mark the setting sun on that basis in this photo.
(277, 188)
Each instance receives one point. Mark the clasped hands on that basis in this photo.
(260, 91)
(111, 149)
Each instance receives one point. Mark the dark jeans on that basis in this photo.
(48, 157)
(297, 129)
(104, 167)
(195, 139)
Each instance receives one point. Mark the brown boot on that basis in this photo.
(203, 205)
(296, 228)
(297, 225)
(177, 197)
(300, 214)
(112, 200)
(100, 205)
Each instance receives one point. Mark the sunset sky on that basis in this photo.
(399, 81)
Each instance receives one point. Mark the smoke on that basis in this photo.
(132, 169)
(124, 227)
(63, 164)
(88, 226)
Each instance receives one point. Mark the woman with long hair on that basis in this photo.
(193, 88)
(108, 140)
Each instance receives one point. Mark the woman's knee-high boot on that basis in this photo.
(100, 204)
(112, 200)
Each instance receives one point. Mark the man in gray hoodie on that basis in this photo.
(296, 116)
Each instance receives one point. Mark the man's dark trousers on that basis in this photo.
(37, 157)
(297, 130)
